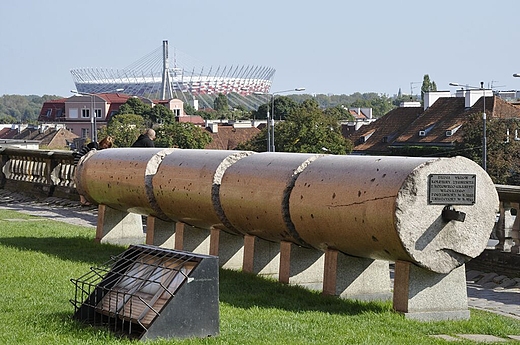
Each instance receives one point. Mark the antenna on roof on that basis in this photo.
(412, 83)
(492, 86)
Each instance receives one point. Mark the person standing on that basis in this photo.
(105, 143)
(146, 139)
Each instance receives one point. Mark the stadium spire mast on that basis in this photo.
(166, 89)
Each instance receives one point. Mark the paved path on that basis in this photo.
(487, 291)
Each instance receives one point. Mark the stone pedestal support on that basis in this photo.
(261, 257)
(160, 233)
(507, 227)
(355, 278)
(428, 296)
(229, 248)
(515, 231)
(192, 239)
(119, 227)
(301, 266)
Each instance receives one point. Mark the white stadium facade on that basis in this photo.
(152, 77)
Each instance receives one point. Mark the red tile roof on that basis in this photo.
(375, 137)
(441, 124)
(195, 119)
(228, 137)
(51, 110)
(8, 133)
(51, 137)
(446, 113)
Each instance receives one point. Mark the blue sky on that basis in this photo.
(336, 47)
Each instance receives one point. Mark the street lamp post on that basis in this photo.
(484, 130)
(270, 118)
(93, 124)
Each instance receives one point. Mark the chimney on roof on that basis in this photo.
(432, 96)
(473, 95)
(367, 112)
(409, 104)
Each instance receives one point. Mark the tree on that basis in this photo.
(134, 105)
(503, 158)
(189, 109)
(427, 86)
(404, 98)
(183, 135)
(306, 129)
(23, 109)
(380, 104)
(7, 119)
(220, 104)
(159, 114)
(338, 112)
(283, 105)
(124, 128)
(207, 114)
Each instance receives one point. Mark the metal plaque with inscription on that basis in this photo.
(451, 189)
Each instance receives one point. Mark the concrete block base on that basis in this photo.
(428, 296)
(160, 233)
(261, 257)
(119, 227)
(192, 239)
(356, 278)
(301, 266)
(229, 248)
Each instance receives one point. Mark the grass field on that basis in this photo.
(38, 257)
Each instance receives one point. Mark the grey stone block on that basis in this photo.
(487, 278)
(473, 274)
(499, 279)
(427, 296)
(489, 285)
(482, 338)
(507, 283)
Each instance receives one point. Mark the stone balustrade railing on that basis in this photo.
(50, 173)
(507, 229)
(38, 173)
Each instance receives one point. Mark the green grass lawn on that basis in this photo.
(38, 258)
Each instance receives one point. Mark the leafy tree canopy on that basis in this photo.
(283, 105)
(124, 128)
(339, 112)
(306, 129)
(135, 105)
(183, 135)
(380, 103)
(159, 114)
(503, 151)
(23, 109)
(221, 103)
(427, 86)
(189, 109)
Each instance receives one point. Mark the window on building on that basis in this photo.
(85, 113)
(73, 113)
(98, 113)
(177, 112)
(84, 133)
(49, 112)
